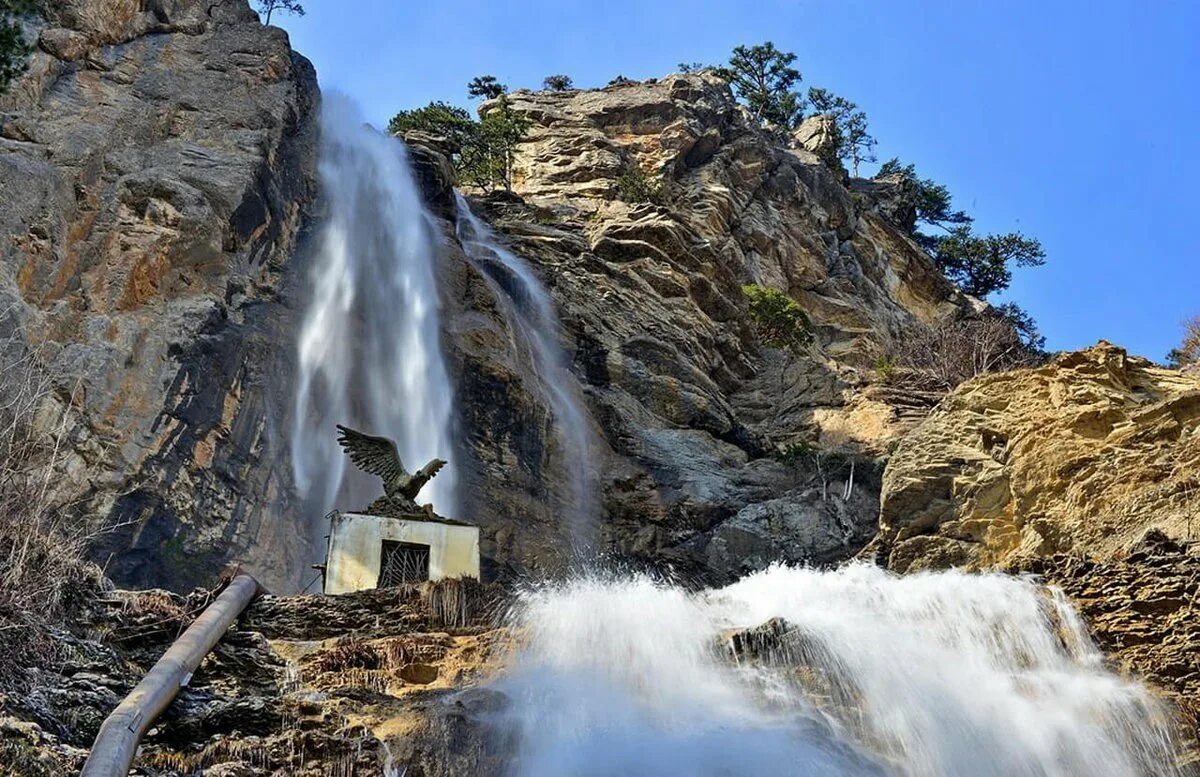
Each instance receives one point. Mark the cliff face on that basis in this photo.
(155, 168)
(159, 160)
(686, 407)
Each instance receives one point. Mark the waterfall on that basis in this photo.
(369, 353)
(530, 314)
(933, 674)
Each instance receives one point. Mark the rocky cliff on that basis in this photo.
(156, 167)
(1084, 455)
(158, 160)
(687, 409)
(308, 685)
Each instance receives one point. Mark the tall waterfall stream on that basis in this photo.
(930, 674)
(369, 353)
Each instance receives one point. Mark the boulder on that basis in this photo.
(1083, 456)
(817, 135)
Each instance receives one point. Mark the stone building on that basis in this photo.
(374, 551)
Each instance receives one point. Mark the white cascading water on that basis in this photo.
(942, 674)
(369, 347)
(530, 313)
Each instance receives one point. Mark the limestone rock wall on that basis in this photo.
(687, 408)
(156, 165)
(159, 158)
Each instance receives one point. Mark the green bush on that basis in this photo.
(885, 369)
(779, 322)
(795, 453)
(14, 49)
(635, 186)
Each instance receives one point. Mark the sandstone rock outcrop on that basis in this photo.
(1083, 455)
(156, 167)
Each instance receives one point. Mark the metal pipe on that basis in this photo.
(117, 743)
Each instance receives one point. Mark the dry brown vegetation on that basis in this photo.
(1188, 352)
(349, 653)
(43, 574)
(957, 351)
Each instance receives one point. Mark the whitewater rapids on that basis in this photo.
(931, 674)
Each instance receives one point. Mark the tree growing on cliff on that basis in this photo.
(557, 83)
(932, 202)
(763, 77)
(982, 265)
(446, 121)
(487, 87)
(853, 143)
(14, 49)
(487, 161)
(860, 144)
(268, 7)
(481, 151)
(979, 264)
(1188, 352)
(777, 319)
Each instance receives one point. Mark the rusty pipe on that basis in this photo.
(117, 743)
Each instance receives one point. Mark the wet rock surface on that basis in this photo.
(1140, 607)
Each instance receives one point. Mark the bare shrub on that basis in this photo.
(1188, 352)
(956, 351)
(43, 574)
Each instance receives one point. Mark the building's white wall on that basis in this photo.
(355, 545)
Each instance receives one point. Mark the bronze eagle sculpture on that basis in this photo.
(379, 456)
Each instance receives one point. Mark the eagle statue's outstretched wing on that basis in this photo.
(375, 455)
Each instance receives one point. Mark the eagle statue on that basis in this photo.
(379, 456)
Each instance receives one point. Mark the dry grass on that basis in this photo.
(1188, 352)
(43, 574)
(455, 602)
(349, 653)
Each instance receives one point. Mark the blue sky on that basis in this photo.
(1074, 122)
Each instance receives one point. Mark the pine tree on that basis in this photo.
(852, 142)
(269, 7)
(762, 76)
(486, 87)
(14, 49)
